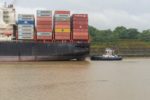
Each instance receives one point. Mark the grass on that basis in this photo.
(127, 44)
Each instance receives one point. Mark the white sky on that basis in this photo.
(103, 14)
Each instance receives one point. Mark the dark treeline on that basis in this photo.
(119, 33)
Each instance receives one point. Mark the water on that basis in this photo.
(125, 80)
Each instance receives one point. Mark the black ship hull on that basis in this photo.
(101, 58)
(32, 51)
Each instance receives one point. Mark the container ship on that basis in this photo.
(46, 36)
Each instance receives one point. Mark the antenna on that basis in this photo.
(13, 2)
(5, 4)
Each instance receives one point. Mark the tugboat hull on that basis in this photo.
(106, 58)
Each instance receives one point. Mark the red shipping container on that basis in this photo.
(80, 33)
(80, 30)
(62, 36)
(80, 15)
(80, 36)
(50, 25)
(80, 27)
(67, 33)
(80, 22)
(44, 30)
(44, 26)
(81, 19)
(62, 23)
(44, 19)
(62, 26)
(44, 23)
(44, 37)
(62, 12)
(58, 37)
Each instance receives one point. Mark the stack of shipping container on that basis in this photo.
(62, 25)
(80, 27)
(26, 24)
(44, 25)
(61, 28)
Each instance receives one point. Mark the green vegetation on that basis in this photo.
(120, 33)
(120, 38)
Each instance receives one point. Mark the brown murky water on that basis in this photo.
(125, 80)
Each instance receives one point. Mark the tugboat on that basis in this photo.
(108, 56)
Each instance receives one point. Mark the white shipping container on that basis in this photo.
(25, 26)
(26, 30)
(25, 37)
(29, 17)
(62, 15)
(26, 33)
(25, 16)
(44, 33)
(43, 13)
(26, 19)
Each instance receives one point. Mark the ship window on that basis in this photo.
(6, 16)
(6, 21)
(5, 12)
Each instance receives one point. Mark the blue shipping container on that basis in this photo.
(26, 22)
(28, 19)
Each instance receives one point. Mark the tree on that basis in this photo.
(132, 33)
(145, 35)
(103, 36)
(120, 32)
(92, 31)
(124, 33)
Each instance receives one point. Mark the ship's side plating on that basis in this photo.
(31, 51)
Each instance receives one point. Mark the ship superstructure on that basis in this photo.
(7, 22)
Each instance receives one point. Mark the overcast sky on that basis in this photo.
(103, 14)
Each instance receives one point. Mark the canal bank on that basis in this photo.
(127, 48)
(126, 52)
